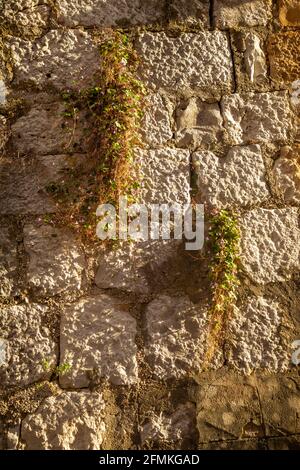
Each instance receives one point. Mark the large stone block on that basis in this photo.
(286, 173)
(106, 13)
(44, 130)
(23, 188)
(198, 124)
(63, 59)
(68, 421)
(283, 49)
(239, 179)
(289, 12)
(97, 339)
(191, 63)
(133, 267)
(258, 117)
(270, 244)
(237, 13)
(3, 132)
(56, 263)
(176, 337)
(194, 13)
(164, 175)
(26, 342)
(256, 340)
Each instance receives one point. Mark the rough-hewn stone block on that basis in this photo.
(156, 126)
(270, 244)
(289, 12)
(195, 63)
(255, 337)
(198, 124)
(56, 263)
(109, 12)
(26, 343)
(25, 18)
(8, 260)
(284, 58)
(164, 175)
(194, 13)
(237, 13)
(68, 421)
(286, 172)
(63, 59)
(258, 117)
(98, 337)
(239, 179)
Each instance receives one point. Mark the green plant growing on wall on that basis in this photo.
(225, 241)
(58, 371)
(115, 108)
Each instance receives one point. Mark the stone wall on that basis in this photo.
(223, 78)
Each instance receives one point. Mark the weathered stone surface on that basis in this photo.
(295, 95)
(194, 13)
(134, 266)
(68, 421)
(239, 179)
(3, 92)
(255, 337)
(228, 409)
(8, 261)
(98, 339)
(198, 124)
(284, 58)
(176, 428)
(255, 60)
(284, 443)
(258, 117)
(156, 125)
(23, 184)
(26, 18)
(286, 172)
(289, 12)
(26, 343)
(176, 331)
(237, 13)
(56, 263)
(45, 130)
(3, 133)
(191, 63)
(270, 244)
(164, 175)
(109, 12)
(280, 404)
(64, 59)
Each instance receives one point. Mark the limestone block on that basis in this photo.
(237, 13)
(133, 267)
(198, 124)
(26, 342)
(176, 334)
(228, 409)
(164, 175)
(286, 172)
(44, 130)
(8, 260)
(68, 421)
(23, 185)
(258, 117)
(255, 337)
(63, 59)
(3, 92)
(156, 126)
(283, 50)
(97, 339)
(270, 244)
(175, 428)
(56, 263)
(3, 132)
(239, 179)
(106, 13)
(289, 12)
(191, 63)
